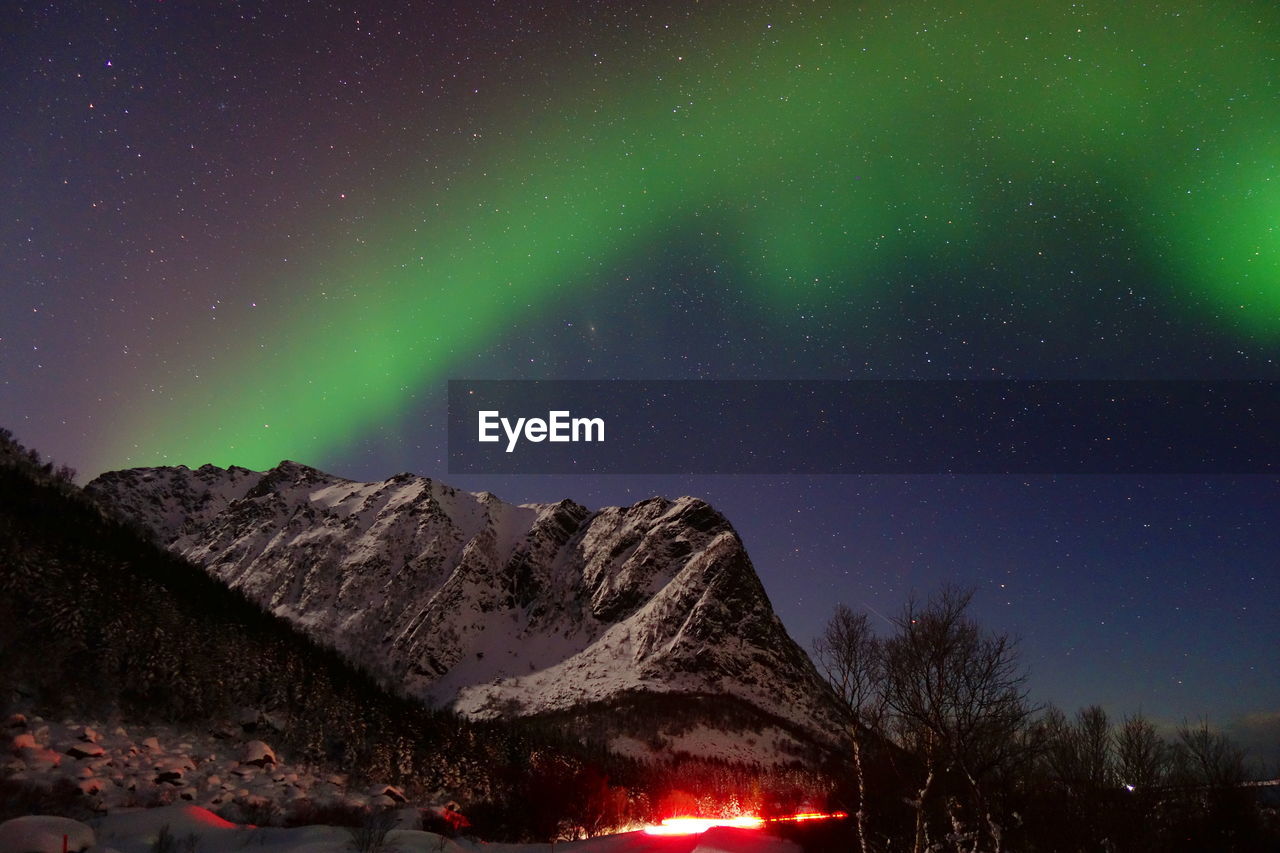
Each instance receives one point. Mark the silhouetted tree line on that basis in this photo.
(559, 795)
(947, 753)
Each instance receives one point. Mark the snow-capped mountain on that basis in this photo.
(501, 610)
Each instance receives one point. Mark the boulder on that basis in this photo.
(390, 791)
(247, 719)
(85, 750)
(91, 786)
(37, 757)
(172, 771)
(258, 754)
(224, 730)
(23, 742)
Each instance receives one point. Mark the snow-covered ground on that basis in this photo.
(705, 740)
(191, 829)
(156, 790)
(234, 770)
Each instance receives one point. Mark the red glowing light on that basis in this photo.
(698, 825)
(814, 816)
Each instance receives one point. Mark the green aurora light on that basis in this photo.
(822, 152)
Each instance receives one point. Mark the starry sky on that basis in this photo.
(243, 232)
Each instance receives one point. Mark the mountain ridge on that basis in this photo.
(494, 609)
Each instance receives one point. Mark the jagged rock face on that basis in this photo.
(494, 608)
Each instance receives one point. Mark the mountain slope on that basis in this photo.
(98, 623)
(496, 609)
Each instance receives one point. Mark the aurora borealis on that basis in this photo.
(239, 233)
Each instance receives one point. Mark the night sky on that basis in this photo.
(238, 233)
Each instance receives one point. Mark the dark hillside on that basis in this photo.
(95, 620)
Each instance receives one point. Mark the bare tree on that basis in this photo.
(956, 697)
(1208, 771)
(1206, 758)
(1142, 758)
(849, 654)
(1079, 753)
(1079, 759)
(1097, 766)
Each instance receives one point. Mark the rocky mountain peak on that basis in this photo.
(491, 607)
